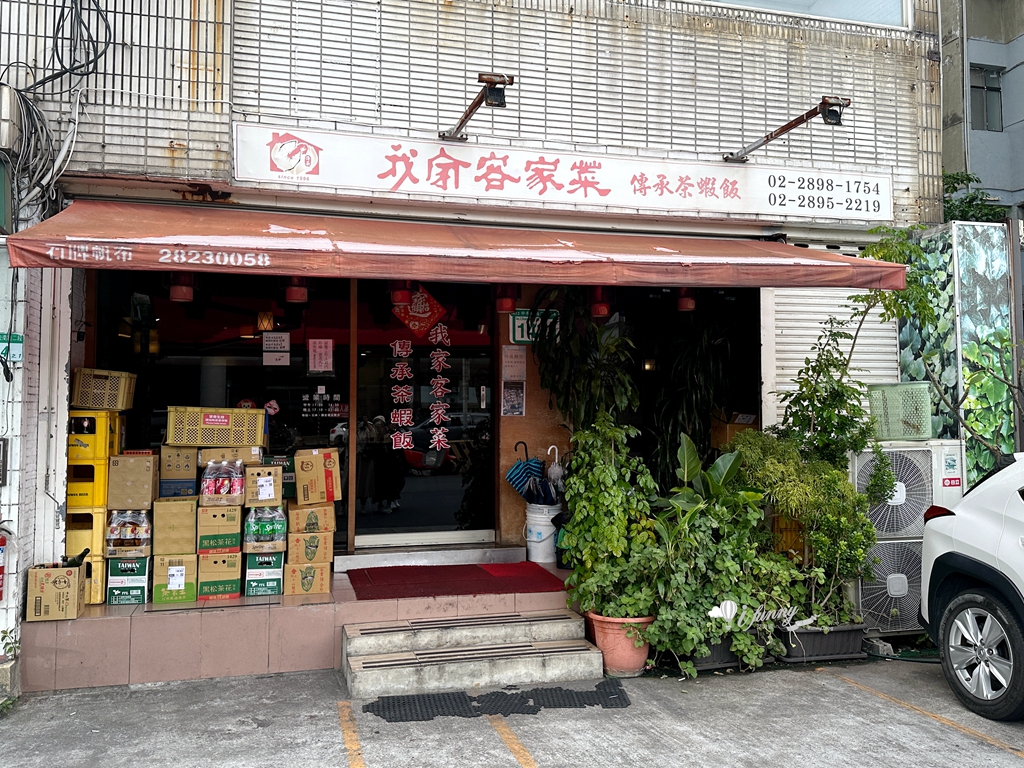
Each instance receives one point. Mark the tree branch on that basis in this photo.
(996, 453)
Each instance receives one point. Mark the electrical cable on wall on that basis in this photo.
(38, 162)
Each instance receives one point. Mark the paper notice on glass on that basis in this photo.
(321, 355)
(264, 488)
(176, 578)
(513, 363)
(277, 342)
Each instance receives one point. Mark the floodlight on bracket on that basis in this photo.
(831, 111)
(491, 95)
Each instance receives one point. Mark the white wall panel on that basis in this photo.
(791, 320)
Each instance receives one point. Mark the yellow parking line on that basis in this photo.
(515, 746)
(937, 718)
(351, 733)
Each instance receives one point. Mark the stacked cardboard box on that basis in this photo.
(131, 488)
(311, 522)
(175, 562)
(265, 530)
(219, 544)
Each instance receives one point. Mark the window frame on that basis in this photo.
(985, 90)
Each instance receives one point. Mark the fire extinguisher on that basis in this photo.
(3, 558)
(6, 534)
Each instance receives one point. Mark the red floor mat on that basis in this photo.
(437, 580)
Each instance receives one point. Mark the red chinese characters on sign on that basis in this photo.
(443, 169)
(401, 348)
(541, 173)
(586, 178)
(439, 360)
(685, 185)
(706, 187)
(401, 440)
(640, 185)
(439, 387)
(402, 417)
(439, 335)
(494, 175)
(406, 161)
(401, 371)
(401, 393)
(730, 189)
(439, 412)
(421, 314)
(439, 439)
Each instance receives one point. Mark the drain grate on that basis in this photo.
(608, 694)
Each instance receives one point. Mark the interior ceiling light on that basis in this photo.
(491, 95)
(831, 111)
(265, 321)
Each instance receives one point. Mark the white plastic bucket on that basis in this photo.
(540, 533)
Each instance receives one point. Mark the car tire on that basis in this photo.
(982, 644)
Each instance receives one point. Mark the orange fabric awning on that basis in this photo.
(122, 235)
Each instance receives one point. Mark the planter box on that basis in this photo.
(840, 643)
(719, 658)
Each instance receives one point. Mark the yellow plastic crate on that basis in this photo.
(86, 528)
(214, 427)
(93, 434)
(87, 484)
(103, 390)
(96, 587)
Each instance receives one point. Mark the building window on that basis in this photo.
(986, 100)
(885, 12)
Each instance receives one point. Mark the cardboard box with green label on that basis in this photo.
(128, 581)
(219, 530)
(175, 578)
(220, 576)
(264, 574)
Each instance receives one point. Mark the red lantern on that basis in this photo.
(182, 287)
(599, 306)
(296, 291)
(685, 301)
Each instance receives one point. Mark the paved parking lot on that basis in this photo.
(871, 714)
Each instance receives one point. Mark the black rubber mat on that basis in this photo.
(608, 694)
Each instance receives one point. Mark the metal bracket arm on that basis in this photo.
(827, 102)
(493, 84)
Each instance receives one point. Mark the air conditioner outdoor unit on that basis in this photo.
(927, 472)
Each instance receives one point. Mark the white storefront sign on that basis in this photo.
(450, 170)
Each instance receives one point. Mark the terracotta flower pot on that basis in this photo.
(621, 656)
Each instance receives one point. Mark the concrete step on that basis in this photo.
(435, 634)
(468, 667)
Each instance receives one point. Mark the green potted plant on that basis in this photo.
(836, 538)
(608, 492)
(713, 551)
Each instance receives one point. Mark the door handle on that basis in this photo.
(1021, 540)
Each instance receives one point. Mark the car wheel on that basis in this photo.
(983, 654)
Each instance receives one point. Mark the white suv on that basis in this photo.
(972, 591)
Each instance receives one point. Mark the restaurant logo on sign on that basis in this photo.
(293, 156)
(366, 163)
